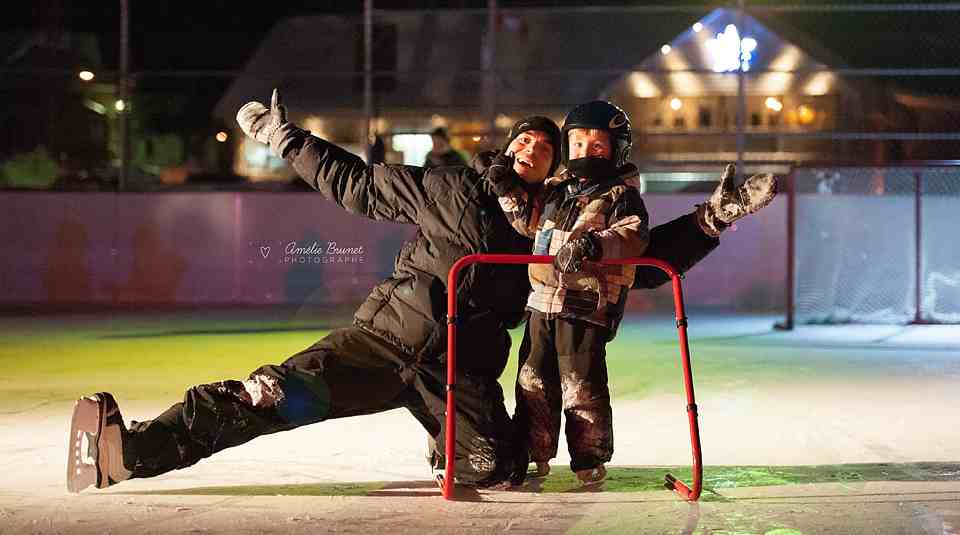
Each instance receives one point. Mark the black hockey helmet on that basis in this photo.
(601, 115)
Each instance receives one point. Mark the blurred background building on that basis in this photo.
(765, 84)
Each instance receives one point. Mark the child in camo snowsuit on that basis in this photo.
(590, 212)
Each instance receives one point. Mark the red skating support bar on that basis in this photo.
(449, 478)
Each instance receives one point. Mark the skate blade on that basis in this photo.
(538, 474)
(85, 429)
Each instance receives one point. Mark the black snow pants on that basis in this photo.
(348, 373)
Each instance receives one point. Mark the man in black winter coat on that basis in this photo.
(394, 353)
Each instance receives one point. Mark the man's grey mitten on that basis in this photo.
(268, 126)
(729, 203)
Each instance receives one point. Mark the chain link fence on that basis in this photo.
(873, 245)
(939, 255)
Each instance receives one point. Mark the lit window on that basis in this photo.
(258, 156)
(705, 118)
(413, 146)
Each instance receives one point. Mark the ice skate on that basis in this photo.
(592, 476)
(95, 449)
(541, 471)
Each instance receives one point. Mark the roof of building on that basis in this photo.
(546, 60)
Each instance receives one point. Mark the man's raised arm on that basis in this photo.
(688, 239)
(389, 193)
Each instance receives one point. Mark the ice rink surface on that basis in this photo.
(823, 395)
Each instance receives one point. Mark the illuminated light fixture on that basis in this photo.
(119, 105)
(786, 60)
(665, 49)
(805, 114)
(820, 84)
(729, 52)
(86, 76)
(95, 107)
(773, 104)
(776, 83)
(643, 86)
(221, 136)
(697, 27)
(476, 139)
(676, 104)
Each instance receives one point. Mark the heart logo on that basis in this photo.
(265, 251)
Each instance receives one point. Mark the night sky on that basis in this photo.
(211, 38)
(217, 34)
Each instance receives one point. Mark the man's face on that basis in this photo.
(439, 143)
(589, 142)
(533, 155)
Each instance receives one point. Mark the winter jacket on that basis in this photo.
(444, 159)
(567, 208)
(456, 214)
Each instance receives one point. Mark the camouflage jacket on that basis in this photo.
(566, 208)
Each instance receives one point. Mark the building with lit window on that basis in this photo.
(683, 99)
(682, 79)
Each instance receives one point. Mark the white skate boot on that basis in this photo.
(95, 450)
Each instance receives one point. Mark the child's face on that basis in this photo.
(589, 142)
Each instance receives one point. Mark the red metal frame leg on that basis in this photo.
(672, 483)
